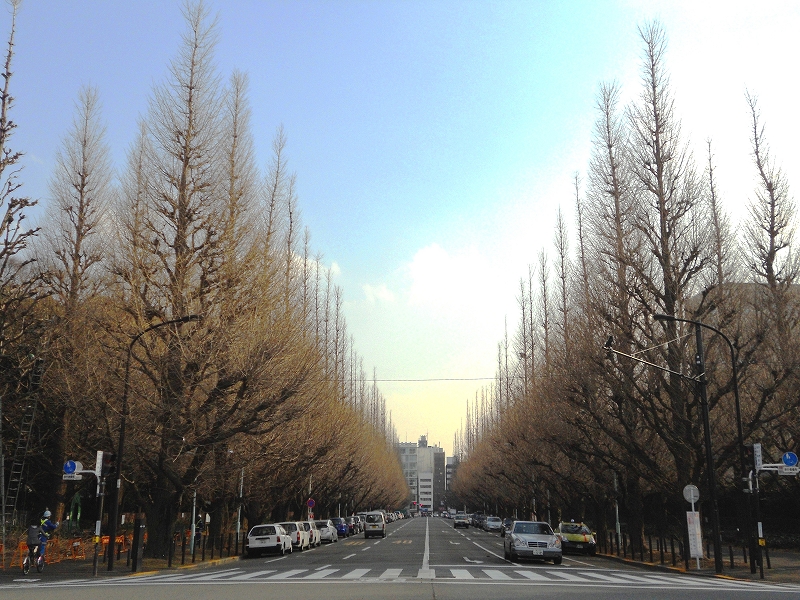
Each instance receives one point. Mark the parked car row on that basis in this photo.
(288, 536)
(301, 535)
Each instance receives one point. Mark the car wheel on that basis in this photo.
(557, 561)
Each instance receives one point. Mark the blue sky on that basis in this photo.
(433, 141)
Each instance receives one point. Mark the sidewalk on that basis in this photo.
(785, 567)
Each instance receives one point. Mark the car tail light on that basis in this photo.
(278, 539)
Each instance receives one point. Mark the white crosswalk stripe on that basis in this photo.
(569, 576)
(321, 574)
(356, 574)
(390, 574)
(495, 574)
(461, 574)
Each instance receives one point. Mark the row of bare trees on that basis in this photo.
(575, 427)
(265, 382)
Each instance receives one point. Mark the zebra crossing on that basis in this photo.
(585, 577)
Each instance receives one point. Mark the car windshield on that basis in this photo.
(321, 523)
(533, 528)
(493, 520)
(289, 526)
(262, 530)
(374, 518)
(337, 521)
(574, 528)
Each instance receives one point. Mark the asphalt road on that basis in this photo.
(420, 558)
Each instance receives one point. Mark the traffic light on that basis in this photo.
(109, 465)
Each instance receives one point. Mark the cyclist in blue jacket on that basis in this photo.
(46, 530)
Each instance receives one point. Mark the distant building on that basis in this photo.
(424, 470)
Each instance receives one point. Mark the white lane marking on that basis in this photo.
(580, 562)
(426, 572)
(475, 562)
(390, 574)
(427, 555)
(489, 551)
(320, 574)
(251, 575)
(322, 567)
(365, 549)
(275, 559)
(455, 543)
(567, 576)
(287, 574)
(495, 574)
(348, 556)
(376, 543)
(533, 576)
(356, 574)
(461, 574)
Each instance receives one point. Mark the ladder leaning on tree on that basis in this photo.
(23, 442)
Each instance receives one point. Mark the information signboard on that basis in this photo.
(695, 534)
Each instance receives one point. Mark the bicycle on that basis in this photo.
(34, 555)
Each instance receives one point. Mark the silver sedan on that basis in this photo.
(532, 539)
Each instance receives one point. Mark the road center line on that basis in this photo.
(348, 556)
(426, 557)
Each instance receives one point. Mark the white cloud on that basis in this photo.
(379, 293)
(459, 282)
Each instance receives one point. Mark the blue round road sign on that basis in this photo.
(789, 459)
(310, 503)
(69, 467)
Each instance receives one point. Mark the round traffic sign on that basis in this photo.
(789, 459)
(691, 493)
(69, 467)
(310, 503)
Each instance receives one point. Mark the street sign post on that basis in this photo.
(691, 494)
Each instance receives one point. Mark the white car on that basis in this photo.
(269, 537)
(375, 525)
(327, 531)
(298, 534)
(313, 533)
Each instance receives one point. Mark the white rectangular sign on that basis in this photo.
(757, 457)
(784, 470)
(71, 477)
(695, 534)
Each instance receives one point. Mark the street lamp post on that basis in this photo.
(113, 509)
(701, 381)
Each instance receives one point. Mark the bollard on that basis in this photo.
(203, 556)
(744, 553)
(685, 555)
(624, 546)
(766, 555)
(183, 548)
(730, 551)
(650, 546)
(672, 544)
(212, 547)
(237, 543)
(230, 541)
(661, 548)
(641, 548)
